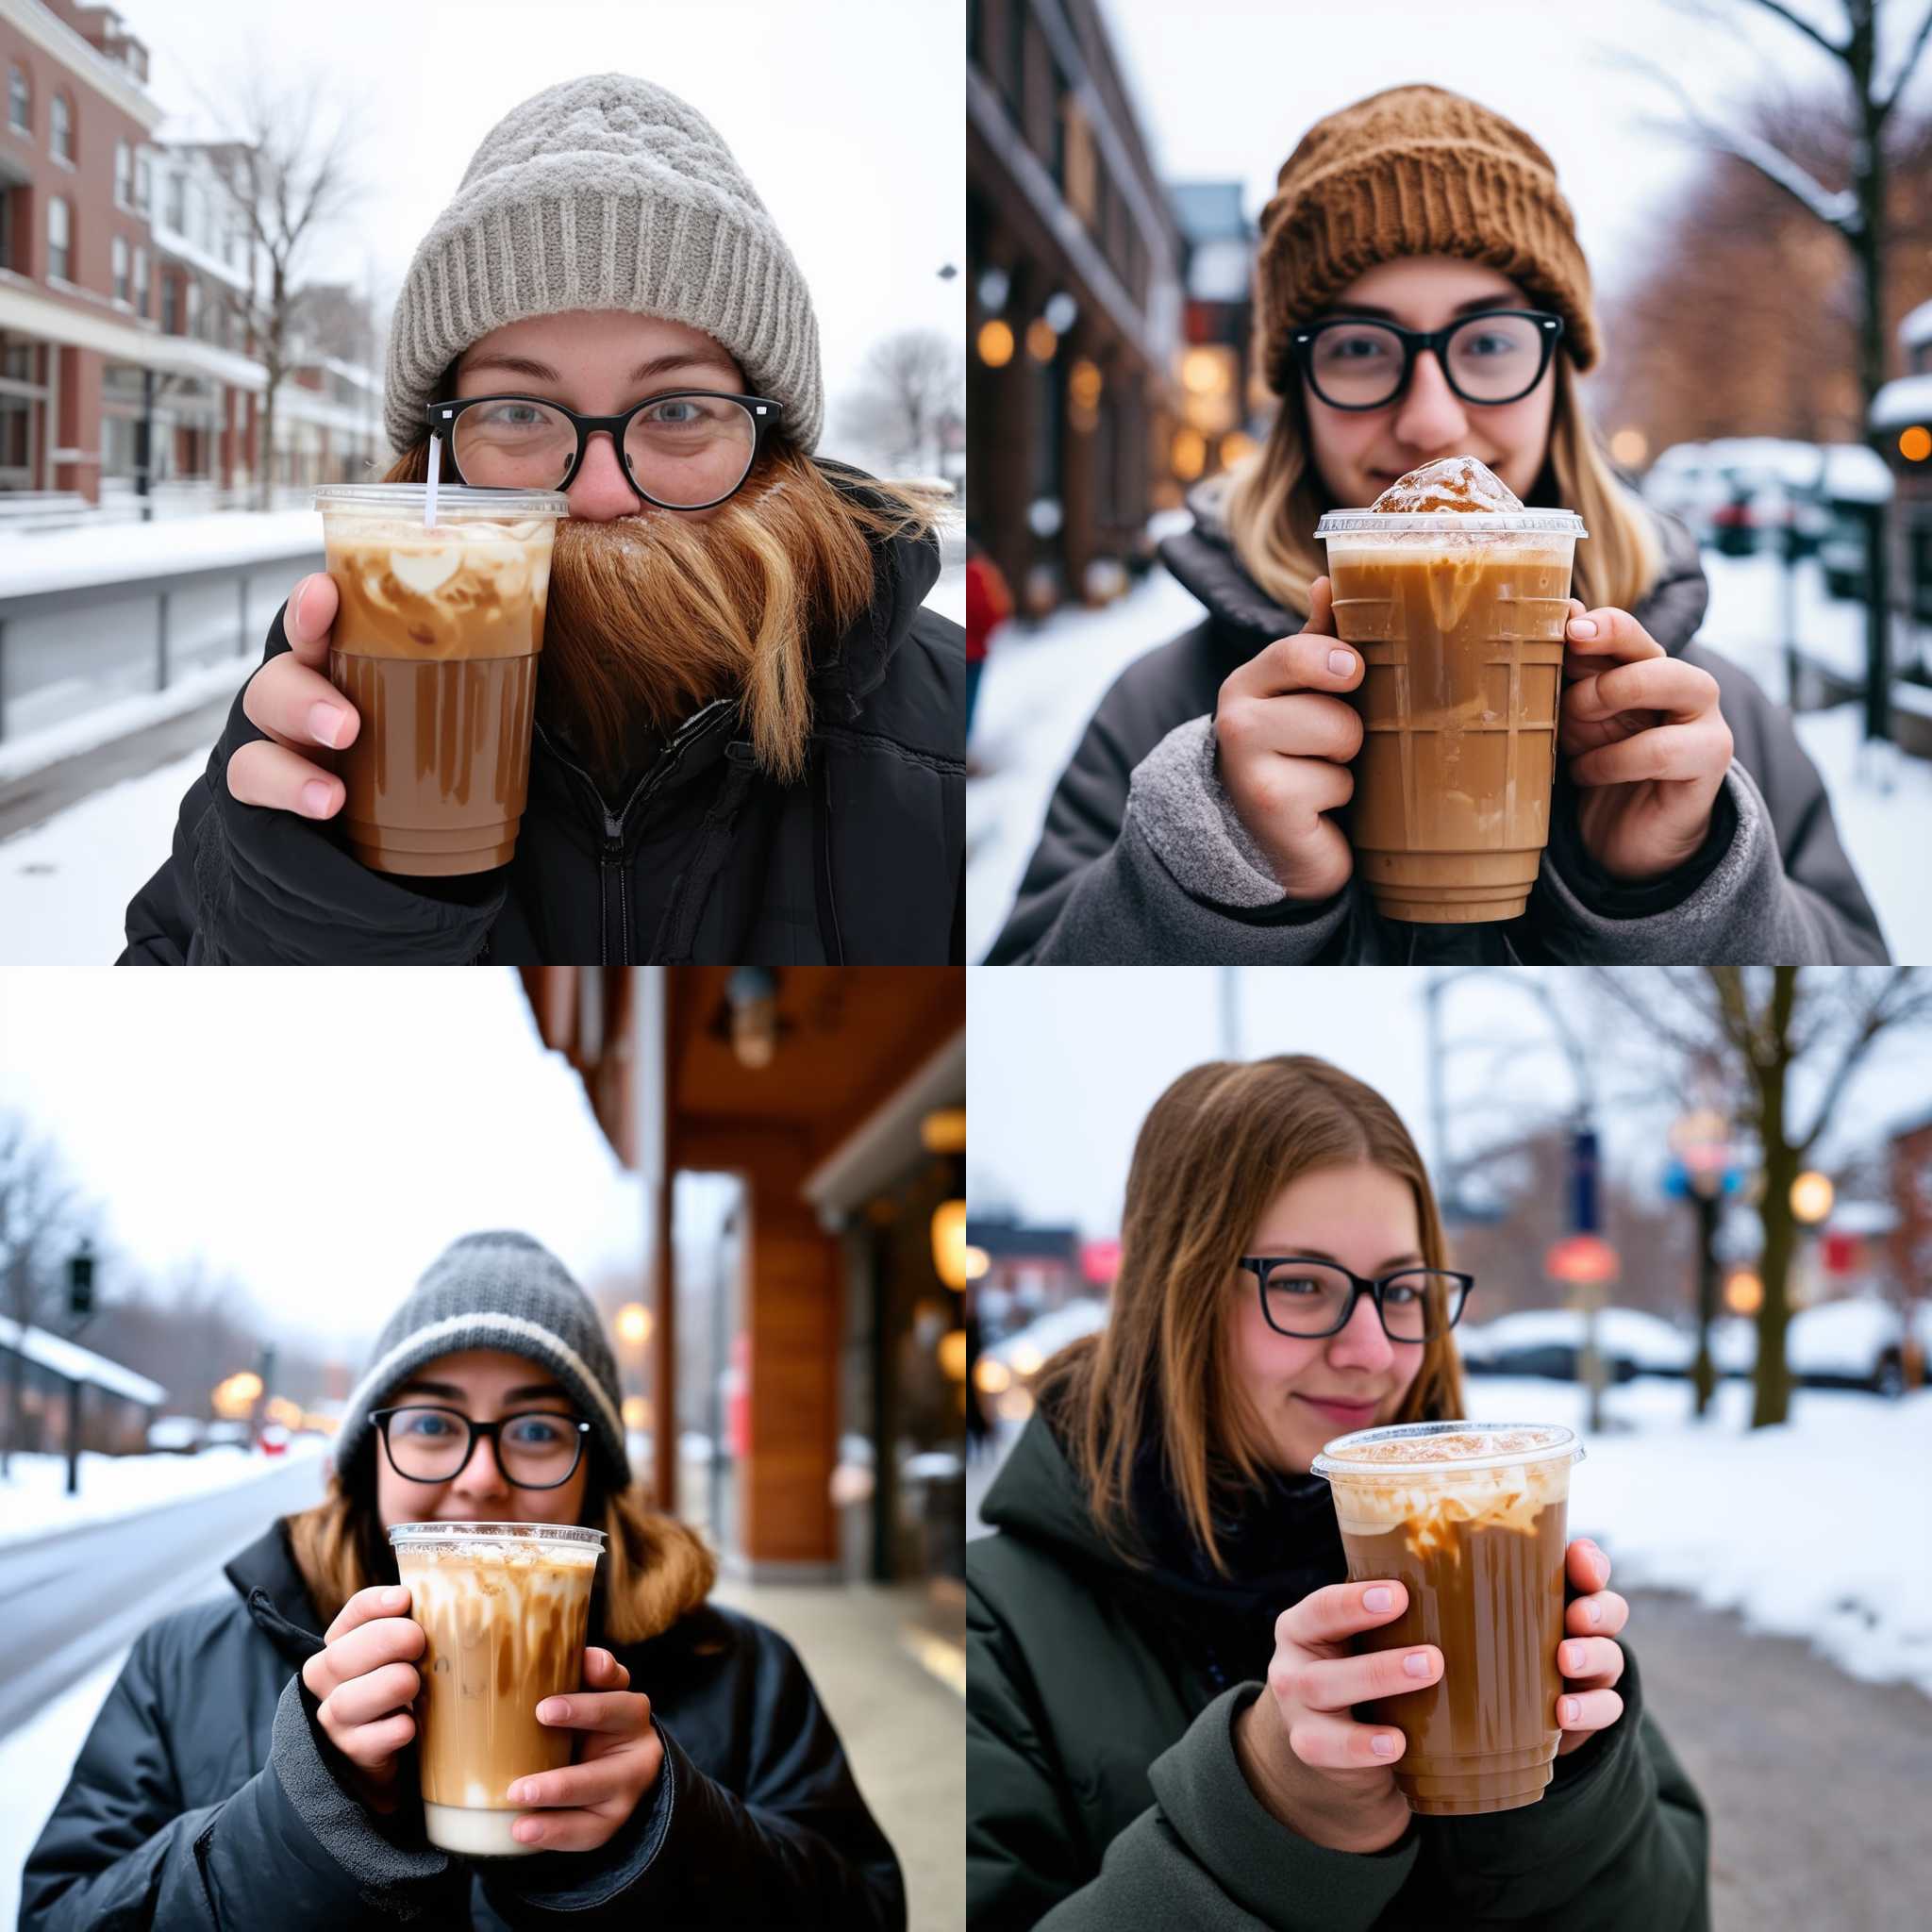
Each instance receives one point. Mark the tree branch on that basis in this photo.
(1905, 73)
(1913, 1006)
(1804, 27)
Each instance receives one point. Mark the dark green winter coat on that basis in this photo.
(1103, 1789)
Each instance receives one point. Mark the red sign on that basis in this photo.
(1100, 1261)
(1840, 1252)
(1581, 1259)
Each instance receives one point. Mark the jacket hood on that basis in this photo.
(1203, 561)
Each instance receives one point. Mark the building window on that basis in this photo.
(20, 99)
(120, 269)
(123, 159)
(6, 228)
(63, 129)
(178, 203)
(143, 182)
(140, 282)
(58, 238)
(168, 309)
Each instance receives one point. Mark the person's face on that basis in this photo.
(597, 362)
(485, 1385)
(1363, 1217)
(1359, 453)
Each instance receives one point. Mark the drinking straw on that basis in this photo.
(429, 501)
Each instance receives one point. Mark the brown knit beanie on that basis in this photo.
(1414, 170)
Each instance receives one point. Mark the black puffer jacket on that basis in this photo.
(1144, 861)
(206, 1798)
(862, 862)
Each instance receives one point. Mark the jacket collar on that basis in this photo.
(1203, 559)
(269, 1583)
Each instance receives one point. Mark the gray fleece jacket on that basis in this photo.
(1143, 860)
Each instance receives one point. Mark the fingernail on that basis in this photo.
(301, 604)
(1342, 662)
(553, 1710)
(325, 721)
(516, 1795)
(1417, 1663)
(1379, 1600)
(1383, 1746)
(1571, 1710)
(526, 1831)
(1572, 1658)
(315, 799)
(395, 1594)
(1583, 627)
(1595, 1612)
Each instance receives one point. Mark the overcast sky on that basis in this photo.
(849, 118)
(1066, 1061)
(322, 1134)
(1229, 97)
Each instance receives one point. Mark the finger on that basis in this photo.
(1608, 632)
(1306, 662)
(366, 1605)
(1588, 1711)
(363, 1700)
(1596, 1660)
(598, 1782)
(1602, 1615)
(1342, 1683)
(265, 773)
(1299, 725)
(1339, 1610)
(1680, 690)
(1320, 609)
(1332, 1743)
(299, 706)
(566, 1831)
(621, 1713)
(393, 1640)
(1586, 1565)
(603, 1667)
(306, 618)
(1664, 754)
(371, 1745)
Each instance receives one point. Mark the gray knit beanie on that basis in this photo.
(497, 1291)
(606, 192)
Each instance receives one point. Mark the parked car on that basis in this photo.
(175, 1435)
(1548, 1341)
(226, 1436)
(1856, 1343)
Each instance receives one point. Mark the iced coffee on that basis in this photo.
(1457, 597)
(1471, 1521)
(436, 643)
(505, 1611)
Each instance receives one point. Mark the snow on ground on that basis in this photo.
(34, 1761)
(65, 884)
(122, 718)
(34, 1499)
(1042, 682)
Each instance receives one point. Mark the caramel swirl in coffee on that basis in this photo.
(1450, 483)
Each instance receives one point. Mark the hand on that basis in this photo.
(1644, 738)
(291, 699)
(1284, 743)
(366, 1683)
(1588, 1662)
(623, 1756)
(1306, 1759)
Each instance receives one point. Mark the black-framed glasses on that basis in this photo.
(536, 1449)
(683, 449)
(1497, 355)
(1305, 1298)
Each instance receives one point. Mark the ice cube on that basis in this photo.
(425, 572)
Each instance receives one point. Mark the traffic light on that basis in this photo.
(80, 1282)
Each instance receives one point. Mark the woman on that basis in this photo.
(244, 1772)
(1196, 821)
(1159, 1671)
(748, 744)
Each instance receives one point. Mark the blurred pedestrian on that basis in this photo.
(1197, 822)
(988, 604)
(253, 1764)
(1161, 1676)
(747, 745)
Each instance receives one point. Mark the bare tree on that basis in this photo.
(284, 160)
(1759, 1026)
(912, 384)
(41, 1216)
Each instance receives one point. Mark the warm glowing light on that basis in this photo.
(995, 344)
(977, 1262)
(634, 1324)
(1084, 382)
(1630, 447)
(1237, 447)
(1015, 1406)
(992, 1377)
(1744, 1292)
(944, 1131)
(637, 1413)
(1205, 372)
(234, 1397)
(280, 1410)
(1027, 1359)
(949, 1242)
(1915, 445)
(1811, 1198)
(1190, 455)
(1042, 339)
(952, 1353)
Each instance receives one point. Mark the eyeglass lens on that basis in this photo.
(1486, 359)
(1305, 1298)
(684, 451)
(428, 1445)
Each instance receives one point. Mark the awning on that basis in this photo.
(73, 1363)
(1902, 403)
(27, 311)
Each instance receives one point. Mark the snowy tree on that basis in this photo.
(912, 389)
(41, 1221)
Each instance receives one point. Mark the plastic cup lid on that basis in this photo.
(497, 1532)
(452, 501)
(1511, 1443)
(1513, 523)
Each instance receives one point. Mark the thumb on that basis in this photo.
(1321, 608)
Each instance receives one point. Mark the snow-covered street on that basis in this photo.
(1041, 684)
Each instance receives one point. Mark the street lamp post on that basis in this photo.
(1704, 1171)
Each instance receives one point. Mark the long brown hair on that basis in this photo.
(1216, 1148)
(1276, 496)
(795, 569)
(654, 1569)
